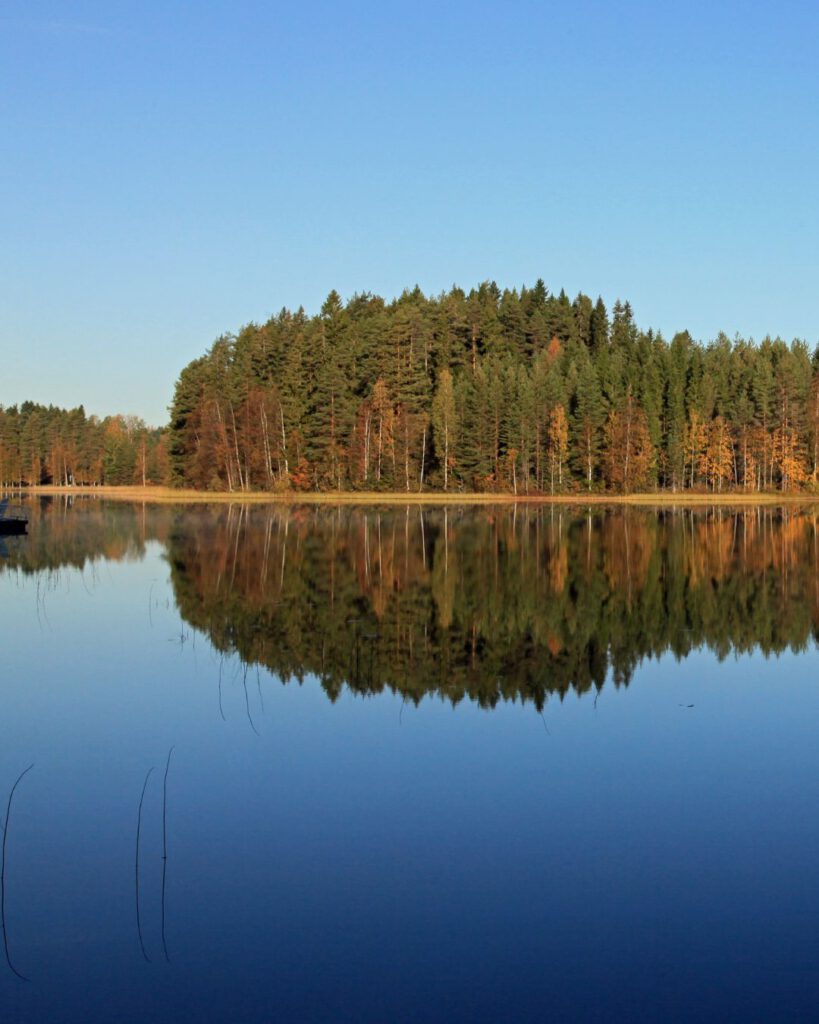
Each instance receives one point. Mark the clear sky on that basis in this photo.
(170, 171)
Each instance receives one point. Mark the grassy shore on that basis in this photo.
(662, 498)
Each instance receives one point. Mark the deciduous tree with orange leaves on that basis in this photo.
(629, 457)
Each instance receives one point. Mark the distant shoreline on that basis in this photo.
(169, 495)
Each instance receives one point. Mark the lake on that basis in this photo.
(410, 764)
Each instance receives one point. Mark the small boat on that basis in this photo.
(11, 526)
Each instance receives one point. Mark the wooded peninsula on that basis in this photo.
(496, 391)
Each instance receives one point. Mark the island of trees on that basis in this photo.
(516, 391)
(511, 391)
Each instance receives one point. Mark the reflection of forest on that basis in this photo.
(495, 604)
(64, 532)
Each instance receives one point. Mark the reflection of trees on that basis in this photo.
(64, 532)
(497, 604)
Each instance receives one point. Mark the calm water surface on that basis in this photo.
(435, 765)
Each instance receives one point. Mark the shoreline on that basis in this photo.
(168, 495)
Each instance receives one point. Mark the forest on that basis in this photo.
(513, 391)
(519, 392)
(45, 445)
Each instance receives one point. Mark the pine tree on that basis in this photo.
(599, 327)
(332, 406)
(588, 421)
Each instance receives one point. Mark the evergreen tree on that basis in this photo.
(589, 417)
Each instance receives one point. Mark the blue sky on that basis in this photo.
(170, 171)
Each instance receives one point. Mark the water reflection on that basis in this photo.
(77, 533)
(306, 861)
(501, 604)
(489, 604)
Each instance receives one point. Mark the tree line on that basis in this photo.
(45, 445)
(519, 391)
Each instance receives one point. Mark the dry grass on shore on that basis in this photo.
(660, 499)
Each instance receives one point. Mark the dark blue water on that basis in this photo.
(640, 851)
